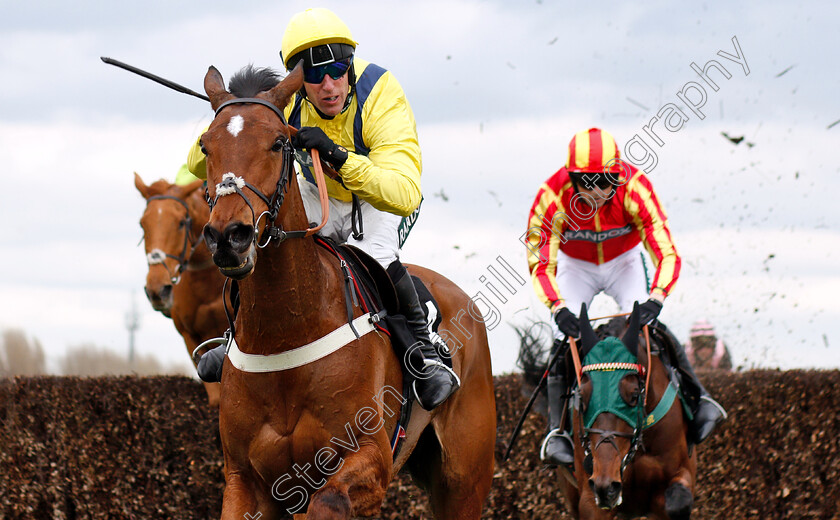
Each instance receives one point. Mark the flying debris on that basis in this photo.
(637, 103)
(736, 140)
(442, 195)
(495, 197)
(784, 71)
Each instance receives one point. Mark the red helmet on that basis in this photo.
(591, 150)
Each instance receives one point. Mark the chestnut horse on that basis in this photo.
(314, 435)
(629, 430)
(182, 282)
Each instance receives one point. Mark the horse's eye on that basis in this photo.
(278, 144)
(201, 146)
(630, 389)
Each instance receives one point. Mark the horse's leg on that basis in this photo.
(456, 460)
(214, 391)
(569, 488)
(239, 500)
(678, 496)
(357, 489)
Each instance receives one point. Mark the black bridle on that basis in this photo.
(232, 184)
(183, 259)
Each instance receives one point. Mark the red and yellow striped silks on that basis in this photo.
(590, 150)
(560, 220)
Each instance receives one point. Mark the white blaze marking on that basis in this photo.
(235, 125)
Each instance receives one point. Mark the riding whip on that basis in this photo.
(533, 398)
(157, 79)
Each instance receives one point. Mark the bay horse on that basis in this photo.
(314, 434)
(182, 283)
(632, 456)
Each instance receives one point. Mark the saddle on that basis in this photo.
(371, 288)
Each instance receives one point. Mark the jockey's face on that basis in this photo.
(598, 195)
(329, 95)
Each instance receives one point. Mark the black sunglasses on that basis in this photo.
(335, 70)
(598, 179)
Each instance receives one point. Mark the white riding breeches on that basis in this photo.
(622, 278)
(381, 229)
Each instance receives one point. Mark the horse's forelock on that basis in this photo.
(252, 80)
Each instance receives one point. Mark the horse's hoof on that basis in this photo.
(678, 502)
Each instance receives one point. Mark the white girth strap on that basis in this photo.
(302, 355)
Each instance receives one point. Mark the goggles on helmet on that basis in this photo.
(335, 70)
(588, 180)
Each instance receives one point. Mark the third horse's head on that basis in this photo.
(611, 406)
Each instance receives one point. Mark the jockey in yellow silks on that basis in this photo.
(356, 115)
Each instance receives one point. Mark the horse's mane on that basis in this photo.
(613, 328)
(251, 80)
(534, 346)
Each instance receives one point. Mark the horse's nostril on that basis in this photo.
(614, 490)
(239, 236)
(211, 237)
(165, 292)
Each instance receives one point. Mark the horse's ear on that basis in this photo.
(187, 189)
(631, 335)
(141, 186)
(282, 93)
(588, 339)
(214, 85)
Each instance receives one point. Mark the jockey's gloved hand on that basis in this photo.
(567, 322)
(649, 311)
(310, 137)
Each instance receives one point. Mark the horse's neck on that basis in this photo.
(293, 292)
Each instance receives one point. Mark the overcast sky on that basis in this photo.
(498, 90)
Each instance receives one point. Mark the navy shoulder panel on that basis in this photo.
(364, 85)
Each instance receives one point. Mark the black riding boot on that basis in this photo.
(210, 365)
(435, 381)
(707, 412)
(557, 446)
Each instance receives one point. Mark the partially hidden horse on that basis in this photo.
(314, 434)
(182, 283)
(632, 457)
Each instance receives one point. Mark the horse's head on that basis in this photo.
(171, 224)
(249, 166)
(610, 406)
